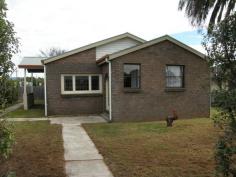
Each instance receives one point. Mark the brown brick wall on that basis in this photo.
(153, 102)
(58, 104)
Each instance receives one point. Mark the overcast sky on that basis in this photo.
(69, 24)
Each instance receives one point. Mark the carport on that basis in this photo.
(30, 65)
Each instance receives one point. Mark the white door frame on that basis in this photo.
(107, 93)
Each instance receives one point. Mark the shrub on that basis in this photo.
(6, 139)
(226, 119)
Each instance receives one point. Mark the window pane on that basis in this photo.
(68, 86)
(95, 82)
(131, 76)
(174, 71)
(174, 81)
(81, 83)
(174, 76)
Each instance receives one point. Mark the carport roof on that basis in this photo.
(32, 64)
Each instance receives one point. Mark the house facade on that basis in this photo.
(130, 79)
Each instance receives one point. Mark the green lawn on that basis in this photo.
(38, 151)
(152, 150)
(36, 111)
(8, 105)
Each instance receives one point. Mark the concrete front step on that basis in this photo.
(77, 120)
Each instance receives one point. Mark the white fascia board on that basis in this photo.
(156, 41)
(134, 37)
(90, 46)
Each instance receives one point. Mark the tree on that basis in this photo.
(8, 47)
(220, 45)
(217, 77)
(198, 10)
(52, 52)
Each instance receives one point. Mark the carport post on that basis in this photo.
(45, 92)
(32, 83)
(25, 100)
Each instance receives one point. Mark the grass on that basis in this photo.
(152, 150)
(36, 111)
(38, 151)
(9, 105)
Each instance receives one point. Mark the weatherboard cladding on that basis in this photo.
(93, 45)
(115, 46)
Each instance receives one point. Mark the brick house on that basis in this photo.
(130, 79)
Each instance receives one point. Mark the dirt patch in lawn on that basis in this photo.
(38, 151)
(152, 150)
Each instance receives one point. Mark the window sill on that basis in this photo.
(75, 95)
(174, 89)
(132, 90)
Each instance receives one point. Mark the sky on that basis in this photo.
(73, 23)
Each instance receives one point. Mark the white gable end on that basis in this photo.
(115, 46)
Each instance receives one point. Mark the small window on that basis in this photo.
(95, 82)
(68, 86)
(132, 76)
(82, 82)
(174, 76)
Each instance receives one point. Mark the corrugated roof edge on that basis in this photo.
(86, 47)
(155, 41)
(25, 62)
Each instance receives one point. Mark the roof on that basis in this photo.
(90, 46)
(155, 41)
(147, 44)
(30, 62)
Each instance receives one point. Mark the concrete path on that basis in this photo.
(11, 108)
(81, 156)
(76, 120)
(28, 119)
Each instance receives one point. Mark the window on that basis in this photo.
(132, 76)
(95, 82)
(174, 76)
(68, 83)
(81, 83)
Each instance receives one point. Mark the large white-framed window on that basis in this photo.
(81, 83)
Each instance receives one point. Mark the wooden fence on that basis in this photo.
(38, 92)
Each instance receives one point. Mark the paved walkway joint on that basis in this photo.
(81, 156)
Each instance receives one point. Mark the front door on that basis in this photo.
(107, 94)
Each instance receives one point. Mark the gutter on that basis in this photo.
(109, 77)
(45, 93)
